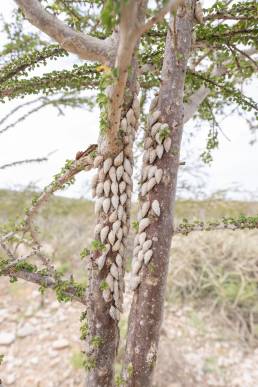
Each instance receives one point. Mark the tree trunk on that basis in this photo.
(113, 187)
(159, 176)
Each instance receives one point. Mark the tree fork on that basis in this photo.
(159, 176)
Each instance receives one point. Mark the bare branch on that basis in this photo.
(85, 46)
(172, 4)
(84, 163)
(21, 162)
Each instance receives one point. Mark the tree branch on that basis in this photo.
(21, 162)
(172, 4)
(45, 281)
(85, 46)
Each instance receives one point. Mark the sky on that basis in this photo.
(235, 161)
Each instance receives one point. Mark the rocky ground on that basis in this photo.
(39, 339)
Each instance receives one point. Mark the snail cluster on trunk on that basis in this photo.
(157, 143)
(112, 187)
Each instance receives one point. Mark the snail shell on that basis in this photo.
(145, 208)
(111, 237)
(110, 282)
(154, 117)
(147, 256)
(104, 233)
(112, 173)
(158, 175)
(116, 245)
(97, 161)
(167, 144)
(114, 271)
(98, 204)
(148, 142)
(113, 217)
(107, 165)
(106, 187)
(160, 151)
(144, 223)
(151, 183)
(155, 128)
(123, 198)
(142, 238)
(147, 245)
(122, 187)
(127, 166)
(156, 207)
(119, 159)
(135, 282)
(119, 172)
(152, 155)
(101, 261)
(119, 260)
(106, 294)
(115, 201)
(106, 205)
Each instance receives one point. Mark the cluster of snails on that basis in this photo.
(112, 187)
(157, 142)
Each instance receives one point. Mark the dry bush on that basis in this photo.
(218, 270)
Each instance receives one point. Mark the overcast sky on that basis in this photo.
(235, 162)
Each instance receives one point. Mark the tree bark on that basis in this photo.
(150, 282)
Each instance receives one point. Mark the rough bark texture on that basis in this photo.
(147, 307)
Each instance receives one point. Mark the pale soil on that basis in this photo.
(195, 350)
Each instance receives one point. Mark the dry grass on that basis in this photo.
(218, 270)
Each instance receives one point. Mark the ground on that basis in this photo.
(42, 345)
(209, 335)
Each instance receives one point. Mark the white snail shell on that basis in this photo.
(104, 233)
(135, 282)
(119, 172)
(160, 151)
(145, 208)
(112, 173)
(114, 271)
(111, 237)
(152, 155)
(106, 205)
(98, 228)
(154, 117)
(127, 166)
(97, 161)
(147, 245)
(142, 238)
(158, 175)
(167, 144)
(115, 201)
(98, 204)
(106, 187)
(113, 217)
(107, 165)
(144, 223)
(147, 256)
(119, 260)
(110, 282)
(116, 245)
(151, 171)
(106, 294)
(119, 159)
(151, 183)
(123, 198)
(101, 261)
(156, 207)
(122, 187)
